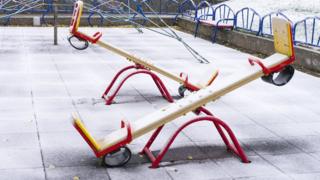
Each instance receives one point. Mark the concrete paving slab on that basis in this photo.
(12, 77)
(18, 140)
(218, 150)
(228, 114)
(13, 105)
(294, 163)
(197, 170)
(202, 134)
(130, 173)
(77, 172)
(45, 77)
(55, 124)
(12, 66)
(258, 167)
(14, 91)
(49, 90)
(178, 152)
(20, 158)
(313, 176)
(17, 174)
(25, 125)
(15, 116)
(273, 177)
(271, 146)
(306, 143)
(252, 131)
(85, 90)
(62, 149)
(186, 151)
(316, 155)
(52, 104)
(295, 129)
(39, 66)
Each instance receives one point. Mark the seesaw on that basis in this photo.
(140, 66)
(113, 146)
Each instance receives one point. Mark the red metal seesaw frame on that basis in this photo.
(74, 27)
(139, 70)
(100, 153)
(219, 124)
(277, 68)
(142, 70)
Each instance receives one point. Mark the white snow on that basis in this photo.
(295, 9)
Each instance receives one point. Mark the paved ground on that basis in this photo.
(41, 84)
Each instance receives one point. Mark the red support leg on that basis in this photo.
(157, 159)
(159, 86)
(219, 129)
(152, 138)
(163, 90)
(115, 79)
(146, 149)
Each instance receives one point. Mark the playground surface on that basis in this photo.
(42, 84)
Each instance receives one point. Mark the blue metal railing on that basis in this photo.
(11, 8)
(266, 25)
(203, 11)
(186, 9)
(307, 31)
(169, 5)
(224, 14)
(105, 11)
(247, 19)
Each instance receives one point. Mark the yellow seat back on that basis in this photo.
(282, 32)
(77, 13)
(85, 133)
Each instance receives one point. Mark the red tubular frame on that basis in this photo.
(189, 86)
(186, 84)
(103, 152)
(78, 34)
(94, 39)
(139, 70)
(277, 68)
(219, 124)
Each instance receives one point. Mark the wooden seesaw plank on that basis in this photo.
(74, 29)
(284, 52)
(140, 61)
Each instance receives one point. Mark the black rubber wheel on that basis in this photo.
(117, 158)
(281, 78)
(83, 43)
(182, 90)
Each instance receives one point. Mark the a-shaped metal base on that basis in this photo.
(137, 70)
(219, 124)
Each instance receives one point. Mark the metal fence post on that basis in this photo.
(55, 22)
